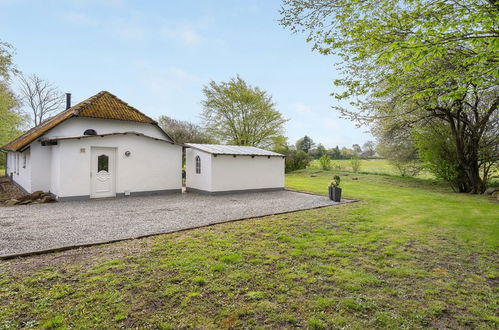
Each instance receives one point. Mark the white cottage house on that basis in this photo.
(217, 169)
(101, 147)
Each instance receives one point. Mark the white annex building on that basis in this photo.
(101, 147)
(216, 169)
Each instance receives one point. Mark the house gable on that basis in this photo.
(103, 105)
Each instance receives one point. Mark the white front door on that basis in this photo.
(102, 172)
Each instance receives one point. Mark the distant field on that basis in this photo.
(373, 166)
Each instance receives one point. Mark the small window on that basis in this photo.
(103, 163)
(198, 165)
(90, 132)
(24, 161)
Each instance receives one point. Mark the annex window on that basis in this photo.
(24, 161)
(17, 163)
(198, 165)
(103, 163)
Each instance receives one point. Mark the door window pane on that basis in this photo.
(103, 163)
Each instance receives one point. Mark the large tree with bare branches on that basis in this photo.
(42, 98)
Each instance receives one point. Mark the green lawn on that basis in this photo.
(410, 254)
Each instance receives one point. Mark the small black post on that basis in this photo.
(68, 100)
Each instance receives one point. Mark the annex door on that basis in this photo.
(103, 172)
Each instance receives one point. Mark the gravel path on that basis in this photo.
(31, 228)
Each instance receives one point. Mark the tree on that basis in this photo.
(10, 119)
(347, 153)
(368, 149)
(397, 146)
(305, 144)
(335, 153)
(356, 149)
(183, 131)
(279, 144)
(237, 113)
(423, 62)
(296, 160)
(318, 151)
(41, 97)
(7, 67)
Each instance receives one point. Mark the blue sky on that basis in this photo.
(157, 55)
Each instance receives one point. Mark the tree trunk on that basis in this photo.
(467, 145)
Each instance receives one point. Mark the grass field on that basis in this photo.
(370, 166)
(410, 254)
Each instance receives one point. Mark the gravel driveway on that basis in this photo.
(31, 228)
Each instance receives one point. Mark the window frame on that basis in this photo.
(198, 164)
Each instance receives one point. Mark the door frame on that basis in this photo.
(112, 167)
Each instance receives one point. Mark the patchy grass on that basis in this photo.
(409, 255)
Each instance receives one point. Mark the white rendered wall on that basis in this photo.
(41, 168)
(153, 165)
(9, 165)
(245, 172)
(55, 168)
(198, 181)
(77, 125)
(23, 176)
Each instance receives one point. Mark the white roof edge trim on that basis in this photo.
(219, 149)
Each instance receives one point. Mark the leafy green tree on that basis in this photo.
(347, 153)
(237, 113)
(183, 131)
(335, 153)
(368, 149)
(356, 149)
(420, 61)
(296, 160)
(10, 119)
(280, 144)
(437, 151)
(318, 151)
(305, 144)
(7, 67)
(400, 151)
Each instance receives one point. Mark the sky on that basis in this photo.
(158, 55)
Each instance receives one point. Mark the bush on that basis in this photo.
(407, 168)
(337, 166)
(325, 162)
(296, 160)
(355, 163)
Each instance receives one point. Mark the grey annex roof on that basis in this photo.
(218, 149)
